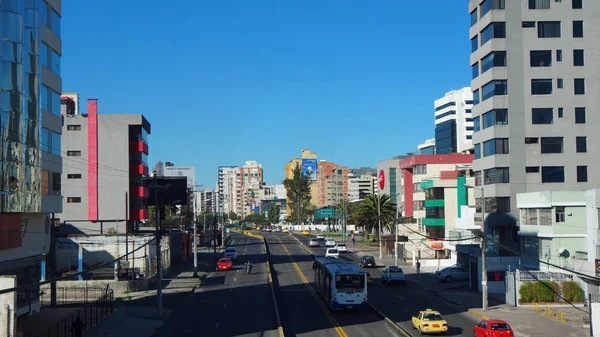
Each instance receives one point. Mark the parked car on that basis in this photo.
(393, 274)
(313, 243)
(332, 252)
(341, 247)
(493, 328)
(230, 253)
(330, 242)
(367, 261)
(450, 274)
(224, 264)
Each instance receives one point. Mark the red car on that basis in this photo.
(224, 264)
(492, 328)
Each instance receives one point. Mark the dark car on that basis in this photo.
(367, 261)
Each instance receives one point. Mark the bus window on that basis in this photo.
(350, 281)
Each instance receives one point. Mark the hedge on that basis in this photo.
(550, 292)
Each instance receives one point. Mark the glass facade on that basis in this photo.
(445, 137)
(20, 101)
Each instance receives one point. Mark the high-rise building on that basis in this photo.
(360, 186)
(159, 169)
(30, 132)
(248, 180)
(332, 184)
(453, 122)
(205, 201)
(428, 147)
(226, 189)
(534, 99)
(104, 182)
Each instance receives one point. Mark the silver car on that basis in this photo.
(313, 243)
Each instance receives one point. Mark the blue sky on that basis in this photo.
(223, 82)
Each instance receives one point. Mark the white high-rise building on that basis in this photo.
(226, 189)
(359, 187)
(453, 122)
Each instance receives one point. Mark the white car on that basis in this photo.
(330, 242)
(393, 274)
(313, 243)
(320, 237)
(341, 247)
(332, 252)
(230, 253)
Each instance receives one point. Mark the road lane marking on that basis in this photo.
(225, 305)
(340, 331)
(216, 326)
(400, 297)
(235, 278)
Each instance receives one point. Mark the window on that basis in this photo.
(528, 24)
(558, 55)
(74, 200)
(561, 113)
(420, 169)
(577, 4)
(498, 175)
(74, 153)
(553, 174)
(476, 124)
(74, 127)
(532, 169)
(578, 58)
(539, 4)
(581, 144)
(540, 58)
(531, 140)
(44, 54)
(477, 151)
(50, 142)
(552, 144)
(73, 176)
(559, 213)
(548, 29)
(474, 43)
(50, 18)
(577, 28)
(445, 106)
(495, 88)
(495, 30)
(582, 174)
(542, 116)
(493, 59)
(475, 70)
(579, 115)
(495, 146)
(474, 17)
(475, 97)
(579, 86)
(541, 87)
(495, 117)
(559, 83)
(488, 5)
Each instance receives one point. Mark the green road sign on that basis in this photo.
(324, 213)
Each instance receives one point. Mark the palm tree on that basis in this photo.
(372, 209)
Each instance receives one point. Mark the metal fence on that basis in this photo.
(536, 275)
(66, 295)
(91, 315)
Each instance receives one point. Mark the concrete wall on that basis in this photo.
(8, 305)
(497, 264)
(75, 186)
(36, 238)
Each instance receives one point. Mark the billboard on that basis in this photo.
(182, 171)
(309, 168)
(175, 194)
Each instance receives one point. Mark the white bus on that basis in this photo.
(341, 284)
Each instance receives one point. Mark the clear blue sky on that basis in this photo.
(222, 81)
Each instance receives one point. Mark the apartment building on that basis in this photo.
(205, 201)
(248, 180)
(332, 184)
(453, 122)
(360, 186)
(226, 189)
(104, 183)
(534, 67)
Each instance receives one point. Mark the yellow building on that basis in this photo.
(289, 173)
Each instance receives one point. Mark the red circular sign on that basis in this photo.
(381, 179)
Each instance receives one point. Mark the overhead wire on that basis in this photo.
(440, 239)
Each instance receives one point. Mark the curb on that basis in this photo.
(389, 321)
(478, 314)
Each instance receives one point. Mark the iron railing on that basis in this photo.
(66, 295)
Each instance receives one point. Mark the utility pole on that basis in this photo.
(195, 243)
(156, 188)
(51, 271)
(397, 221)
(379, 223)
(484, 288)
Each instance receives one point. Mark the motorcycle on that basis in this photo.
(248, 268)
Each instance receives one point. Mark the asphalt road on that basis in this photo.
(302, 312)
(400, 303)
(228, 303)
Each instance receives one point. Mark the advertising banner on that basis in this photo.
(309, 168)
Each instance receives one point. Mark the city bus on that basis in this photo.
(342, 285)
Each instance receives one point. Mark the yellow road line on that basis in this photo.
(340, 331)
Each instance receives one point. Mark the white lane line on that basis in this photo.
(400, 297)
(225, 305)
(216, 326)
(234, 279)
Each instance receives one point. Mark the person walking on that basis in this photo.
(418, 264)
(353, 241)
(77, 327)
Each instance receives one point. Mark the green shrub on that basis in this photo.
(539, 291)
(526, 292)
(571, 291)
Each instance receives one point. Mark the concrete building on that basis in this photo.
(428, 147)
(103, 188)
(225, 189)
(158, 170)
(360, 186)
(332, 184)
(308, 163)
(30, 166)
(205, 201)
(535, 66)
(248, 179)
(453, 122)
(388, 178)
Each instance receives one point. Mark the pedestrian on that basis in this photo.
(393, 253)
(353, 241)
(418, 264)
(77, 327)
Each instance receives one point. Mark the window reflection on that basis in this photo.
(55, 63)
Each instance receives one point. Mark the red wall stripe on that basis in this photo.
(92, 159)
(409, 206)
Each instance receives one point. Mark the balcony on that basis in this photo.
(434, 222)
(138, 146)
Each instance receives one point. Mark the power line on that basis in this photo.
(439, 239)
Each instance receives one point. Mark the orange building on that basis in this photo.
(332, 184)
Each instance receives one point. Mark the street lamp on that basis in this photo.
(379, 224)
(195, 251)
(397, 224)
(484, 288)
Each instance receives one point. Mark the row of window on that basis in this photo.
(556, 144)
(50, 142)
(50, 100)
(545, 4)
(488, 5)
(545, 86)
(549, 174)
(50, 59)
(538, 116)
(50, 18)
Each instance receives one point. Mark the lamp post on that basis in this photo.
(397, 222)
(379, 225)
(195, 251)
(484, 288)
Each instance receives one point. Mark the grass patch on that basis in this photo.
(370, 243)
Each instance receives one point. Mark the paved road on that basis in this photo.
(228, 303)
(302, 312)
(401, 303)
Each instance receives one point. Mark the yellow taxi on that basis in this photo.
(306, 232)
(285, 231)
(429, 321)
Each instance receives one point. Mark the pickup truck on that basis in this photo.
(393, 274)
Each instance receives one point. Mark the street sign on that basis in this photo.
(324, 213)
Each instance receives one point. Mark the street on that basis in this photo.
(400, 303)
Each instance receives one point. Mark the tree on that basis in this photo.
(233, 216)
(367, 214)
(273, 214)
(256, 218)
(298, 192)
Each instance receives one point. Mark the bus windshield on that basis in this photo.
(349, 281)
